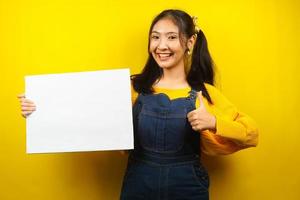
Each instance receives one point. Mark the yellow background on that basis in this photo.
(255, 45)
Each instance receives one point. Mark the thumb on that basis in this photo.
(200, 97)
(21, 95)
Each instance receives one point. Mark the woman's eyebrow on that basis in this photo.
(155, 32)
(167, 33)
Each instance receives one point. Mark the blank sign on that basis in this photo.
(82, 111)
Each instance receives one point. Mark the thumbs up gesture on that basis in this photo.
(200, 119)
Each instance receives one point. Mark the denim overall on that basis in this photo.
(164, 164)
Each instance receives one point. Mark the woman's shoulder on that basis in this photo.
(209, 86)
(216, 95)
(212, 90)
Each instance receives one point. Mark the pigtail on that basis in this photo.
(202, 70)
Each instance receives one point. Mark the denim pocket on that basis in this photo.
(175, 130)
(162, 129)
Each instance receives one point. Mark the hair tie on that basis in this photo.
(195, 19)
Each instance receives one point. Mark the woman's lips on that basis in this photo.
(164, 56)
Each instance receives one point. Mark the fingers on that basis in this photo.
(195, 117)
(28, 101)
(27, 106)
(196, 127)
(26, 113)
(191, 116)
(27, 109)
(23, 99)
(195, 122)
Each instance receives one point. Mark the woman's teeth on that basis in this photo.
(164, 55)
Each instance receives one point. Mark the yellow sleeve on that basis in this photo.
(234, 129)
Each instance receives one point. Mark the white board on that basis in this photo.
(81, 111)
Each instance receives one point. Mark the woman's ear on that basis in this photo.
(191, 42)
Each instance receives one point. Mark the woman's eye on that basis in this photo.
(154, 37)
(172, 37)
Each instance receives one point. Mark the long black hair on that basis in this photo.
(202, 68)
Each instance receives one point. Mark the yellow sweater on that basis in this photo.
(234, 130)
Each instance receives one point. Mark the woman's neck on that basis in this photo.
(174, 77)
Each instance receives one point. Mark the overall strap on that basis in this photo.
(192, 94)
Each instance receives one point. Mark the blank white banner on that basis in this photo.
(82, 111)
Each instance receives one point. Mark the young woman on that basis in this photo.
(178, 114)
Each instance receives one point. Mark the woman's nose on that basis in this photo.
(162, 44)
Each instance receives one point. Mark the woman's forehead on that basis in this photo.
(165, 26)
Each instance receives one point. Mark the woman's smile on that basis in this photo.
(164, 56)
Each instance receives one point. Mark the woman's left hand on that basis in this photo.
(200, 119)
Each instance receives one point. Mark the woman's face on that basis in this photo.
(165, 45)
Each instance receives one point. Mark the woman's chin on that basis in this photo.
(164, 65)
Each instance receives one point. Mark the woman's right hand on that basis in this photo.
(27, 106)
